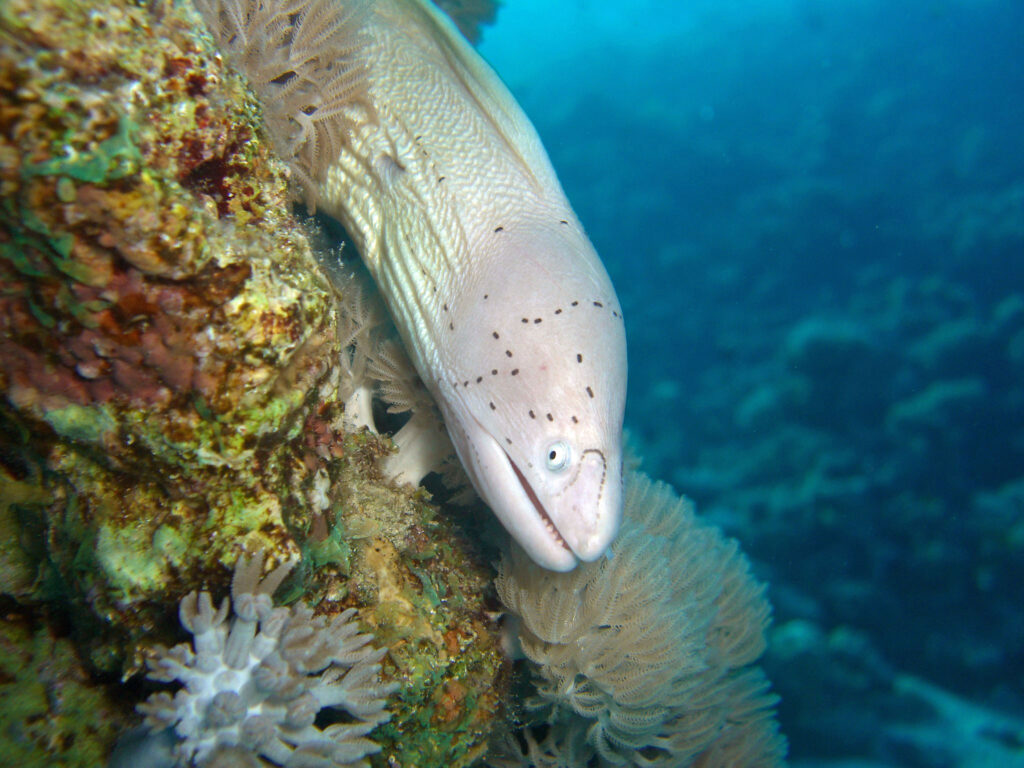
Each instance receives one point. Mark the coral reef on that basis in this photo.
(166, 330)
(647, 657)
(835, 685)
(302, 58)
(258, 683)
(179, 378)
(900, 409)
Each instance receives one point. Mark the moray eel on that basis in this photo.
(502, 303)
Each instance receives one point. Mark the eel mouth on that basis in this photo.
(541, 512)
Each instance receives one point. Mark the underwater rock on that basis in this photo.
(173, 374)
(165, 327)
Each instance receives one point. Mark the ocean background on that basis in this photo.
(813, 212)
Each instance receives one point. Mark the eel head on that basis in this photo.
(535, 397)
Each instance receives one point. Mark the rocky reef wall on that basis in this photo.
(171, 373)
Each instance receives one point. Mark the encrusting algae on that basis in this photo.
(174, 388)
(187, 383)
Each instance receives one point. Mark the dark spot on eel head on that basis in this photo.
(479, 379)
(533, 415)
(515, 371)
(550, 417)
(508, 353)
(494, 371)
(492, 406)
(495, 334)
(579, 357)
(590, 391)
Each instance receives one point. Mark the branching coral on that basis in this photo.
(646, 657)
(256, 684)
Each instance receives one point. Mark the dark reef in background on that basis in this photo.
(816, 226)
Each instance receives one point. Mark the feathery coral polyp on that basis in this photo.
(646, 658)
(256, 683)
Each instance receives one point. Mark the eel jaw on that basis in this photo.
(520, 510)
(545, 518)
(505, 490)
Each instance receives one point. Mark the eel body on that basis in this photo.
(505, 308)
(502, 303)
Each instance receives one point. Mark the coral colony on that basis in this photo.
(258, 681)
(623, 649)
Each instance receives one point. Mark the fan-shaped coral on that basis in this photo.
(254, 686)
(646, 657)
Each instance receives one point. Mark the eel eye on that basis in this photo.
(557, 456)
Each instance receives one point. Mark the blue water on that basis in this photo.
(813, 211)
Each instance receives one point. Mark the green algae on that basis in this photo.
(54, 715)
(206, 438)
(114, 158)
(136, 561)
(82, 423)
(333, 549)
(35, 250)
(22, 505)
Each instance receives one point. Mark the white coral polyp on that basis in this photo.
(257, 682)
